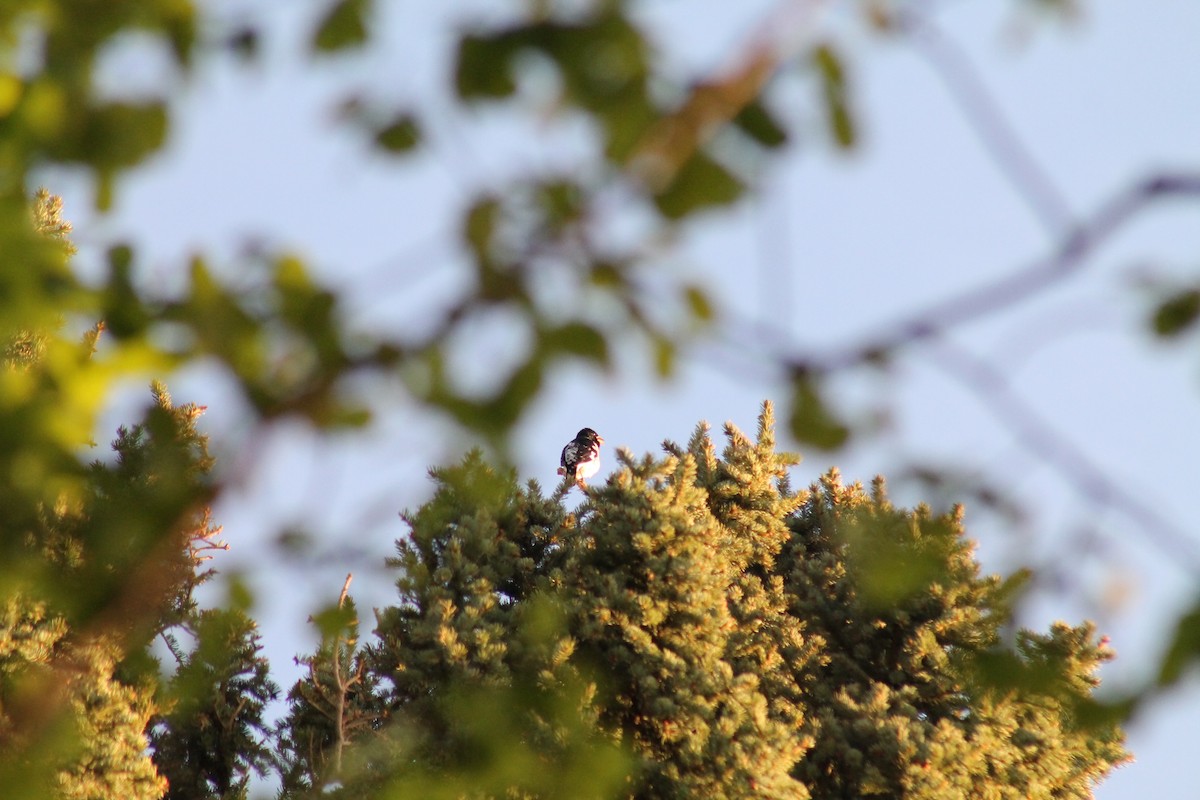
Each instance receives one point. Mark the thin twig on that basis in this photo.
(339, 703)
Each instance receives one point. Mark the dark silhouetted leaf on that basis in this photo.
(581, 340)
(811, 420)
(479, 224)
(758, 123)
(699, 303)
(1183, 650)
(483, 69)
(335, 621)
(400, 135)
(1177, 313)
(122, 134)
(834, 92)
(700, 183)
(665, 354)
(343, 27)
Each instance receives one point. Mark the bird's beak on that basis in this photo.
(599, 438)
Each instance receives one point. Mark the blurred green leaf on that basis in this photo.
(1002, 671)
(483, 69)
(122, 134)
(344, 26)
(335, 620)
(760, 125)
(829, 65)
(580, 339)
(665, 356)
(124, 314)
(1177, 313)
(700, 183)
(811, 420)
(834, 92)
(10, 92)
(1183, 649)
(479, 225)
(699, 303)
(560, 202)
(240, 596)
(896, 559)
(400, 135)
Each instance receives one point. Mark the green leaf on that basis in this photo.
(560, 202)
(811, 421)
(665, 354)
(124, 313)
(842, 123)
(834, 92)
(829, 65)
(400, 135)
(1177, 313)
(1184, 649)
(699, 304)
(483, 69)
(757, 122)
(343, 27)
(700, 183)
(895, 560)
(580, 339)
(333, 621)
(240, 595)
(122, 134)
(479, 224)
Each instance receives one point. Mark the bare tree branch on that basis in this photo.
(1041, 438)
(1070, 255)
(1013, 158)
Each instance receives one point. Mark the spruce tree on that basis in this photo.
(99, 559)
(213, 736)
(734, 638)
(476, 695)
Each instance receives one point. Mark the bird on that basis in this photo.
(581, 457)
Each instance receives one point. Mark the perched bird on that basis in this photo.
(581, 457)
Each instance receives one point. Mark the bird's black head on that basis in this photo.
(589, 435)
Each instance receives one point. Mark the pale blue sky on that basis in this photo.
(833, 247)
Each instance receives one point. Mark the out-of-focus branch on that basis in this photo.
(1068, 257)
(1040, 438)
(1012, 157)
(667, 146)
(988, 384)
